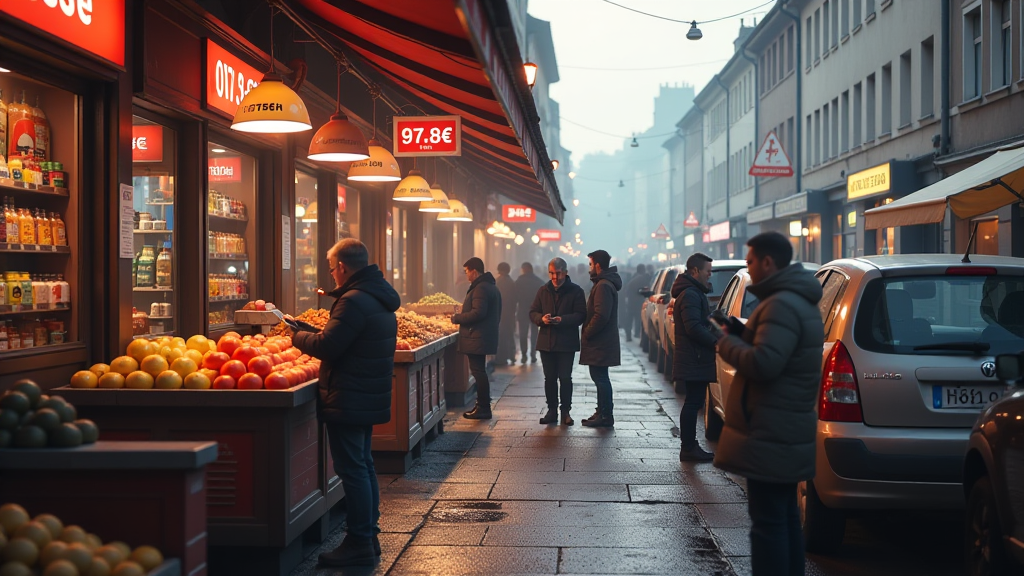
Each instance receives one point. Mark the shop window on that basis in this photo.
(987, 239)
(972, 54)
(155, 264)
(928, 77)
(1002, 56)
(307, 258)
(231, 239)
(870, 110)
(845, 17)
(905, 90)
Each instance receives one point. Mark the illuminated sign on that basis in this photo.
(342, 199)
(96, 26)
(718, 232)
(226, 169)
(228, 79)
(427, 135)
(869, 182)
(549, 235)
(851, 219)
(518, 213)
(147, 143)
(691, 221)
(689, 240)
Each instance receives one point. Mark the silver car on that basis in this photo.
(907, 366)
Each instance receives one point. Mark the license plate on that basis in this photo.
(964, 396)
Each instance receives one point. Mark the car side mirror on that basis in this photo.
(646, 292)
(1009, 367)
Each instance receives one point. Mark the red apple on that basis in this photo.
(233, 368)
(250, 381)
(245, 353)
(215, 360)
(276, 381)
(228, 344)
(260, 366)
(224, 382)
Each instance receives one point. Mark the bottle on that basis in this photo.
(26, 290)
(146, 274)
(65, 291)
(3, 127)
(26, 224)
(13, 234)
(21, 130)
(5, 171)
(44, 230)
(3, 290)
(4, 344)
(3, 221)
(163, 266)
(40, 294)
(13, 280)
(14, 165)
(59, 232)
(135, 270)
(42, 131)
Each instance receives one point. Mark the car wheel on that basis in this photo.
(661, 357)
(824, 527)
(670, 359)
(983, 535)
(712, 421)
(652, 350)
(645, 344)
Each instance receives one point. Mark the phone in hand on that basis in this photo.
(719, 318)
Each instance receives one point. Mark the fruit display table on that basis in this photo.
(418, 405)
(273, 481)
(143, 492)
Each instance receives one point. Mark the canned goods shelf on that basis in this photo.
(35, 248)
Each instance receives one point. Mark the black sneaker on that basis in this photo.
(566, 419)
(550, 418)
(695, 454)
(533, 359)
(351, 552)
(478, 413)
(599, 421)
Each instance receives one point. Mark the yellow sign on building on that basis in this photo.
(869, 182)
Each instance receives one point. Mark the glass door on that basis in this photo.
(306, 237)
(231, 198)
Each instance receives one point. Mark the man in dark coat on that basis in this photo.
(357, 352)
(633, 300)
(526, 290)
(770, 419)
(600, 339)
(478, 331)
(507, 325)
(559, 308)
(694, 363)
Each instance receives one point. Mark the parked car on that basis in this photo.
(646, 308)
(993, 473)
(656, 321)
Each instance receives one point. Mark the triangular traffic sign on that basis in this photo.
(771, 159)
(661, 233)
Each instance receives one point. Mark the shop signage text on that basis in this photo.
(228, 79)
(428, 135)
(225, 169)
(342, 199)
(705, 237)
(517, 213)
(760, 213)
(96, 26)
(148, 143)
(689, 240)
(718, 232)
(796, 204)
(549, 235)
(868, 182)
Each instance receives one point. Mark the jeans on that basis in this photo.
(776, 539)
(527, 329)
(599, 374)
(478, 368)
(350, 448)
(695, 393)
(558, 367)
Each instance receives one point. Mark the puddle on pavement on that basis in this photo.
(470, 513)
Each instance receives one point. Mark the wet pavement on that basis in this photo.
(511, 496)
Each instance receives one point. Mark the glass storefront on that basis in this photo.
(231, 241)
(306, 236)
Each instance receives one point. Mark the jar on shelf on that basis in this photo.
(163, 266)
(146, 274)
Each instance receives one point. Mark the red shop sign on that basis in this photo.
(428, 135)
(96, 26)
(517, 213)
(226, 169)
(148, 143)
(719, 232)
(342, 199)
(228, 79)
(549, 235)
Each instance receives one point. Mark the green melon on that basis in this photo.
(30, 437)
(46, 418)
(66, 436)
(17, 401)
(90, 432)
(9, 419)
(30, 389)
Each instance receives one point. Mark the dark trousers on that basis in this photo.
(776, 539)
(350, 447)
(506, 340)
(558, 368)
(633, 327)
(478, 368)
(695, 393)
(527, 329)
(599, 374)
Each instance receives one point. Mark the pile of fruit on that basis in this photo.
(415, 330)
(318, 317)
(259, 305)
(439, 298)
(45, 546)
(200, 363)
(31, 419)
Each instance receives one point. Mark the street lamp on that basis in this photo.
(693, 33)
(531, 73)
(578, 221)
(554, 165)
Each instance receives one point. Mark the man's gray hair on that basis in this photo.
(350, 252)
(559, 264)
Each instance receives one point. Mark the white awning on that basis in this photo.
(989, 185)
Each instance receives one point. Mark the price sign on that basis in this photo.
(549, 235)
(96, 26)
(228, 79)
(428, 135)
(517, 213)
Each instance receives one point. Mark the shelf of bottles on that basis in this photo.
(154, 266)
(230, 234)
(38, 214)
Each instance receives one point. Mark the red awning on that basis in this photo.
(449, 57)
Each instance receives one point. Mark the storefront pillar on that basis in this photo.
(414, 270)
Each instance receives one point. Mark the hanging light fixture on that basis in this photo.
(439, 203)
(621, 184)
(531, 73)
(271, 107)
(634, 143)
(311, 213)
(413, 188)
(554, 165)
(457, 211)
(381, 166)
(694, 33)
(339, 140)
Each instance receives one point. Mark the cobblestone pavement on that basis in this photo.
(511, 496)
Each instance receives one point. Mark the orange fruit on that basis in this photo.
(139, 380)
(80, 555)
(168, 380)
(184, 366)
(209, 373)
(139, 349)
(195, 355)
(84, 379)
(12, 517)
(126, 550)
(21, 550)
(53, 551)
(211, 344)
(153, 364)
(99, 369)
(197, 342)
(111, 380)
(93, 541)
(37, 532)
(197, 381)
(124, 365)
(148, 557)
(175, 353)
(112, 554)
(72, 534)
(15, 569)
(51, 522)
(61, 568)
(98, 567)
(128, 568)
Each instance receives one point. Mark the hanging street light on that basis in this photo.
(339, 140)
(572, 175)
(634, 143)
(439, 203)
(413, 188)
(621, 185)
(457, 212)
(531, 73)
(694, 33)
(575, 201)
(381, 166)
(554, 165)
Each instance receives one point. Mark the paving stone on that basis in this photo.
(449, 536)
(393, 504)
(591, 452)
(391, 545)
(694, 494)
(610, 536)
(453, 442)
(466, 560)
(592, 441)
(400, 523)
(445, 474)
(733, 541)
(538, 464)
(577, 492)
(673, 478)
(437, 490)
(741, 566)
(641, 561)
(725, 515)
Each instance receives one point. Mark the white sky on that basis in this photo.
(593, 33)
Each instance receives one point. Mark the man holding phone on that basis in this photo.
(559, 308)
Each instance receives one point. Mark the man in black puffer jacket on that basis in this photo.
(478, 331)
(559, 308)
(357, 353)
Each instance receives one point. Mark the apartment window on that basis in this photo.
(809, 138)
(817, 32)
(761, 68)
(928, 77)
(869, 109)
(825, 134)
(844, 18)
(835, 24)
(869, 7)
(771, 62)
(824, 26)
(857, 16)
(887, 98)
(858, 112)
(789, 136)
(817, 137)
(972, 54)
(808, 46)
(844, 124)
(780, 132)
(1001, 56)
(782, 57)
(834, 143)
(905, 89)
(789, 49)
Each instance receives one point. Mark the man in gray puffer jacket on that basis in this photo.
(770, 422)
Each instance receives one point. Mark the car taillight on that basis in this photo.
(840, 398)
(970, 271)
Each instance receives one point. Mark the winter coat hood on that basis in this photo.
(371, 280)
(611, 275)
(485, 277)
(684, 281)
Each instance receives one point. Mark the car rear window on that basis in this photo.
(942, 315)
(719, 280)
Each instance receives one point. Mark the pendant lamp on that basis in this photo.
(413, 188)
(439, 203)
(381, 166)
(457, 212)
(339, 140)
(271, 107)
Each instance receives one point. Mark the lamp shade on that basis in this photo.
(338, 141)
(311, 213)
(457, 212)
(271, 107)
(413, 188)
(381, 166)
(531, 73)
(439, 203)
